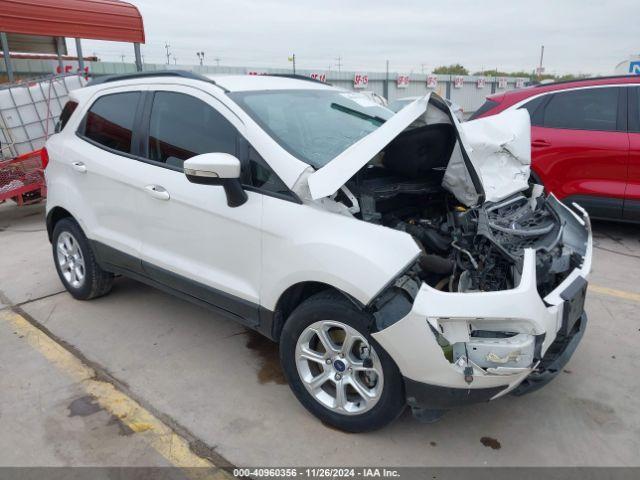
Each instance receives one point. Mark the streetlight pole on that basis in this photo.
(167, 46)
(339, 63)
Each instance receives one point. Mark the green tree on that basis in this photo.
(456, 69)
(498, 73)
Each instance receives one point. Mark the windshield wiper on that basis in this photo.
(357, 113)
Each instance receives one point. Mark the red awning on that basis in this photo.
(95, 19)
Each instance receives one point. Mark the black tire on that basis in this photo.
(333, 306)
(97, 282)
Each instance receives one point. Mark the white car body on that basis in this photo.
(256, 253)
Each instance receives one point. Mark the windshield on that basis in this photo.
(313, 125)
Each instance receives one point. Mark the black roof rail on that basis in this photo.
(585, 79)
(160, 73)
(295, 77)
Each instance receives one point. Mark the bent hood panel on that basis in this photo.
(332, 176)
(498, 148)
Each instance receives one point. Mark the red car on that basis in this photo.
(585, 141)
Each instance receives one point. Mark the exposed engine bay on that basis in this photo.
(462, 192)
(465, 249)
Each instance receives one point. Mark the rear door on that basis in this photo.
(632, 193)
(102, 164)
(580, 147)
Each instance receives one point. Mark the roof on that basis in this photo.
(228, 83)
(244, 83)
(514, 96)
(96, 19)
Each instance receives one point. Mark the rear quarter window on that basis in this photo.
(67, 111)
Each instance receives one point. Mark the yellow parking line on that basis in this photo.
(612, 292)
(149, 428)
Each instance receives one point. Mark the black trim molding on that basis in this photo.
(433, 397)
(607, 208)
(243, 311)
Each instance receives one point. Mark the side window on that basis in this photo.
(65, 115)
(182, 126)
(110, 119)
(533, 107)
(585, 109)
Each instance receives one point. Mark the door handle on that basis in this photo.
(540, 143)
(158, 192)
(79, 167)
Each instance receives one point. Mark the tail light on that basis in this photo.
(44, 157)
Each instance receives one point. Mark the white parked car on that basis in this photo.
(374, 97)
(399, 103)
(396, 258)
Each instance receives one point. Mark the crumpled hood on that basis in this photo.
(497, 149)
(500, 149)
(334, 174)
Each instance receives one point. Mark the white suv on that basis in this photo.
(396, 258)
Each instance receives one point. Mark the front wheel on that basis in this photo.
(336, 369)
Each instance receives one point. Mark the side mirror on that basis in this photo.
(217, 169)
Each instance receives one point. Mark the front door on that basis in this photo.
(192, 240)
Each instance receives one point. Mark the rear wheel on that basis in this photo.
(336, 369)
(76, 264)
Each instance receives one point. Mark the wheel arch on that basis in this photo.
(54, 216)
(294, 296)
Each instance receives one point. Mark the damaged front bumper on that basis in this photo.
(534, 336)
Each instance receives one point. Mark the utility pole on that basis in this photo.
(175, 60)
(292, 58)
(167, 46)
(386, 82)
(339, 63)
(122, 57)
(541, 68)
(200, 57)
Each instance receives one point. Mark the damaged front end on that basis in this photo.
(495, 301)
(506, 317)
